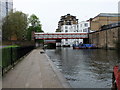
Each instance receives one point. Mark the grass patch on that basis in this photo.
(11, 46)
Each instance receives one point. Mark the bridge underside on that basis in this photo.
(85, 41)
(49, 41)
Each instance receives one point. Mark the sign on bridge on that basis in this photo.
(51, 36)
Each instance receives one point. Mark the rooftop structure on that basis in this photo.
(103, 19)
(109, 15)
(67, 20)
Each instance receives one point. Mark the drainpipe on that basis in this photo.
(106, 35)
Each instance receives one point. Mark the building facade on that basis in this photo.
(5, 7)
(69, 24)
(108, 38)
(67, 20)
(103, 19)
(83, 27)
(71, 29)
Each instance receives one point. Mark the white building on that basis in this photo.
(82, 27)
(71, 29)
(5, 7)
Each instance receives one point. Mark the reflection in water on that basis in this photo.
(85, 68)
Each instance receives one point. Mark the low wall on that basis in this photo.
(108, 39)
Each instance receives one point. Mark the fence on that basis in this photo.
(12, 54)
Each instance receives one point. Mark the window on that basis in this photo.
(66, 30)
(68, 23)
(66, 27)
(74, 27)
(85, 30)
(86, 25)
(81, 25)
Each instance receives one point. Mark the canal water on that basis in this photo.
(85, 68)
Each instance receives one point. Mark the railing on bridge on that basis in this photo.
(60, 35)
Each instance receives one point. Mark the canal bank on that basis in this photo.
(35, 71)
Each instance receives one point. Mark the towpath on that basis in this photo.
(34, 71)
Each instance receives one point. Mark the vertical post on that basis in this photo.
(12, 63)
(44, 44)
(106, 34)
(106, 40)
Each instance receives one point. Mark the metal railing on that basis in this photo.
(11, 55)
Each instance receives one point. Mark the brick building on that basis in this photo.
(103, 19)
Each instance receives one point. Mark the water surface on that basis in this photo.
(85, 68)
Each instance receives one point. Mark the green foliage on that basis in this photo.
(34, 20)
(29, 33)
(15, 24)
(11, 46)
(35, 26)
(40, 41)
(58, 30)
(35, 23)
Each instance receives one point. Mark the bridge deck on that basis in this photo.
(60, 35)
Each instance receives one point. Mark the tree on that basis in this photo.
(14, 26)
(34, 26)
(35, 23)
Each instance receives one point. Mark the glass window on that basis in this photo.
(86, 24)
(84, 30)
(81, 25)
(66, 27)
(66, 30)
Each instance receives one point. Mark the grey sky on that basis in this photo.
(50, 11)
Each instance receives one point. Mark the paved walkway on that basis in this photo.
(34, 71)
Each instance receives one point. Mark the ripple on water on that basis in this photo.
(85, 68)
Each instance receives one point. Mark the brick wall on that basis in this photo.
(108, 39)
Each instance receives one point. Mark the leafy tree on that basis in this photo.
(15, 25)
(35, 23)
(34, 26)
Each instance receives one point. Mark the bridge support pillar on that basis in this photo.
(86, 41)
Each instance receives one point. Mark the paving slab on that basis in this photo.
(36, 70)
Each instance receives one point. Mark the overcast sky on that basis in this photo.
(50, 11)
